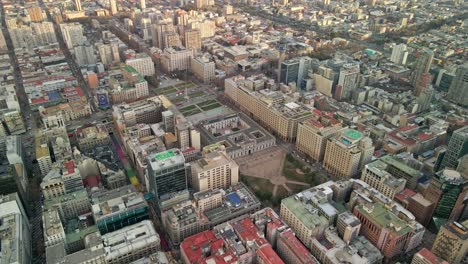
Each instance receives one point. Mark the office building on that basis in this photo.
(292, 251)
(72, 34)
(182, 221)
(176, 59)
(347, 153)
(170, 39)
(142, 63)
(84, 54)
(182, 132)
(401, 168)
(451, 243)
(384, 229)
(331, 249)
(192, 39)
(15, 156)
(203, 68)
(168, 121)
(113, 7)
(157, 31)
(70, 205)
(424, 256)
(399, 54)
(377, 177)
(77, 5)
(145, 111)
(295, 70)
(420, 207)
(131, 243)
(347, 81)
(53, 228)
(142, 4)
(309, 212)
(115, 209)
(15, 233)
(215, 170)
(457, 148)
(272, 109)
(348, 226)
(166, 173)
(131, 88)
(421, 65)
(35, 14)
(447, 189)
(458, 92)
(108, 53)
(313, 133)
(93, 252)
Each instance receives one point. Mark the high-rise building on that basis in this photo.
(295, 70)
(142, 63)
(458, 91)
(113, 7)
(115, 209)
(15, 156)
(131, 243)
(399, 54)
(347, 153)
(447, 189)
(383, 228)
(203, 68)
(377, 177)
(451, 243)
(73, 34)
(166, 173)
(84, 54)
(348, 226)
(347, 81)
(168, 120)
(424, 256)
(192, 39)
(35, 14)
(53, 228)
(422, 65)
(215, 170)
(77, 5)
(15, 233)
(313, 133)
(142, 4)
(176, 59)
(170, 39)
(425, 98)
(157, 31)
(228, 9)
(145, 111)
(109, 53)
(457, 148)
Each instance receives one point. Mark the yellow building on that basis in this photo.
(347, 153)
(272, 109)
(216, 170)
(312, 134)
(451, 242)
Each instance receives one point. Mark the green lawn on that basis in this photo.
(196, 94)
(178, 100)
(187, 108)
(209, 107)
(167, 91)
(262, 188)
(207, 102)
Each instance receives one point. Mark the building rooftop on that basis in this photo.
(305, 212)
(52, 223)
(297, 248)
(166, 159)
(429, 257)
(50, 203)
(130, 238)
(112, 202)
(12, 219)
(197, 246)
(384, 218)
(400, 165)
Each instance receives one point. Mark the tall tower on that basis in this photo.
(142, 4)
(282, 50)
(458, 91)
(422, 65)
(113, 7)
(399, 54)
(78, 5)
(451, 242)
(457, 148)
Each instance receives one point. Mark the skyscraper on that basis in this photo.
(458, 91)
(451, 242)
(347, 81)
(457, 148)
(192, 39)
(295, 70)
(142, 4)
(113, 7)
(422, 65)
(78, 5)
(166, 173)
(399, 54)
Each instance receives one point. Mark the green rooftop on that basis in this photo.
(130, 69)
(164, 155)
(76, 233)
(384, 218)
(353, 134)
(400, 166)
(304, 212)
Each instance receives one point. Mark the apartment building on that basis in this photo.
(376, 176)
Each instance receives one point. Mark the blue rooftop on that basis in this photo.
(234, 199)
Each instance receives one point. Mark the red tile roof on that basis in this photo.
(405, 194)
(268, 255)
(297, 248)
